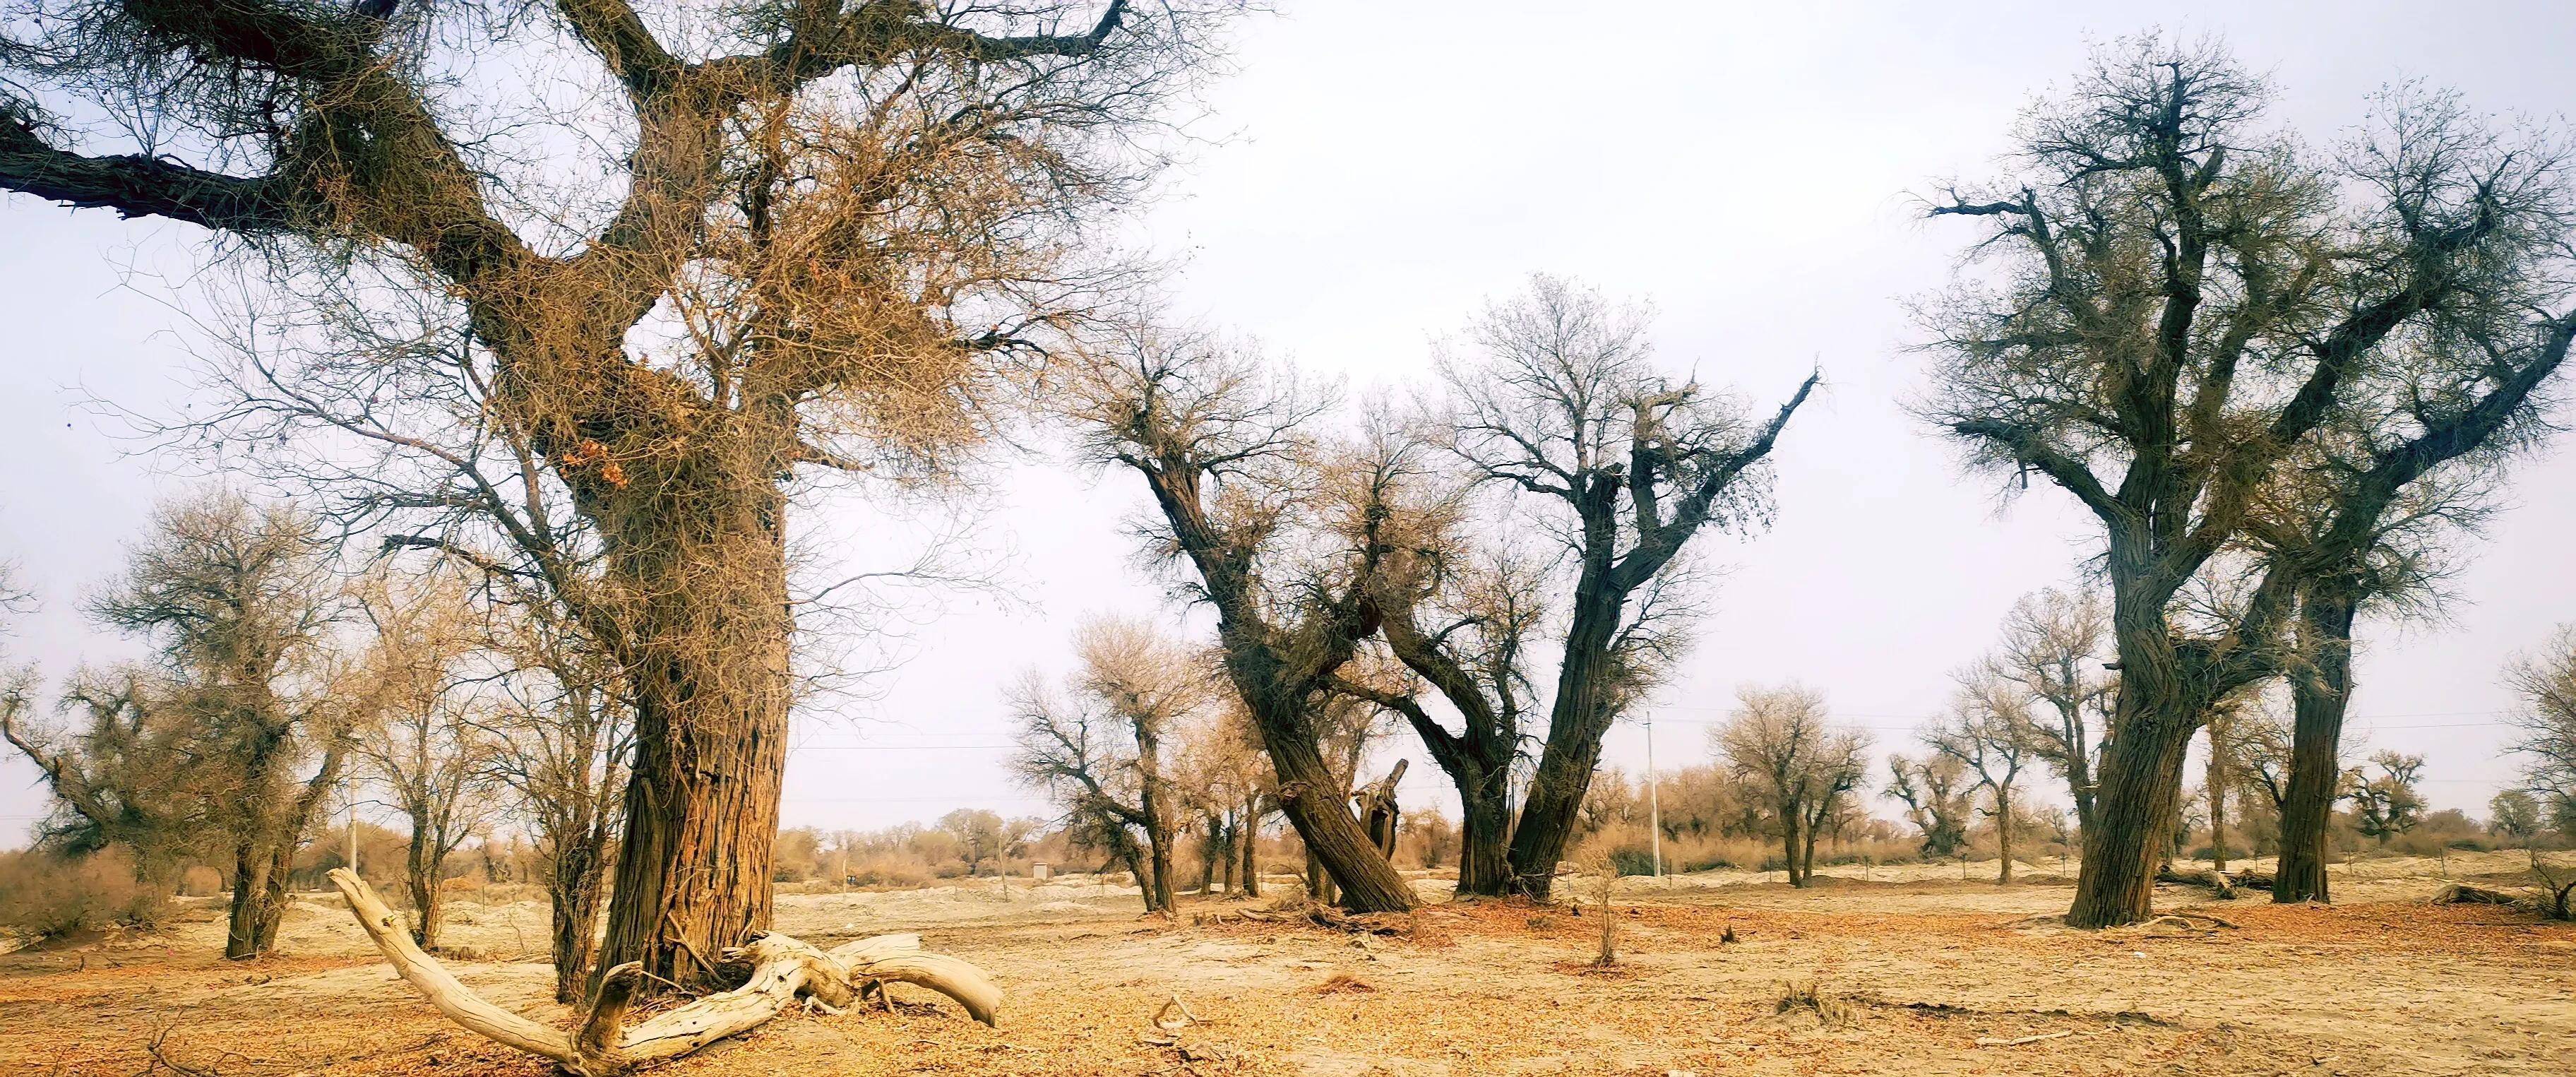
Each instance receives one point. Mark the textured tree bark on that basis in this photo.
(1577, 719)
(1248, 842)
(575, 887)
(251, 895)
(1158, 821)
(1484, 857)
(705, 560)
(2141, 782)
(2318, 696)
(1790, 820)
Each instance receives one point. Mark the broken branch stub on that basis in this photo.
(784, 973)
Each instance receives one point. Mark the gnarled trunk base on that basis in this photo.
(785, 973)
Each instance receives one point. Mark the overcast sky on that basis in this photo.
(1747, 168)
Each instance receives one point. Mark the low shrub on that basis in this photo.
(45, 895)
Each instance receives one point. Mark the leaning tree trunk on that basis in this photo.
(1316, 806)
(699, 550)
(1577, 721)
(2132, 812)
(2318, 695)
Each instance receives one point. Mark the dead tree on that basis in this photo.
(1783, 738)
(784, 974)
(1936, 799)
(1461, 616)
(420, 742)
(2546, 681)
(2053, 650)
(240, 602)
(1380, 809)
(1279, 534)
(1555, 398)
(1986, 734)
(855, 214)
(2154, 248)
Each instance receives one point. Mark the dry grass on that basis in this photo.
(1920, 977)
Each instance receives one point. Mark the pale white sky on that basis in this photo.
(1388, 166)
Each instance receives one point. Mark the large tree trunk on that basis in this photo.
(2132, 812)
(1484, 860)
(1152, 800)
(242, 938)
(1316, 805)
(2318, 695)
(705, 562)
(1576, 722)
(1790, 817)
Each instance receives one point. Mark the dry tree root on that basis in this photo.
(785, 974)
(2187, 921)
(2219, 883)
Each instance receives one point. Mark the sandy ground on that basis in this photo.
(1914, 972)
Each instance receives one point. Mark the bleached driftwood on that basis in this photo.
(785, 973)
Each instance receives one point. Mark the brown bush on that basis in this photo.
(45, 895)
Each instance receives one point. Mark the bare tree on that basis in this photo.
(2182, 303)
(1937, 799)
(1783, 738)
(1099, 747)
(1987, 733)
(559, 742)
(849, 218)
(421, 742)
(1280, 534)
(240, 602)
(2385, 804)
(2546, 681)
(1461, 614)
(1556, 398)
(2053, 649)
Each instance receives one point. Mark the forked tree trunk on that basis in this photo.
(1151, 799)
(705, 563)
(2318, 695)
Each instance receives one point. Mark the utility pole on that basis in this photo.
(349, 798)
(1654, 803)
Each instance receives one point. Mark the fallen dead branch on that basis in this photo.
(1987, 1041)
(2465, 894)
(785, 973)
